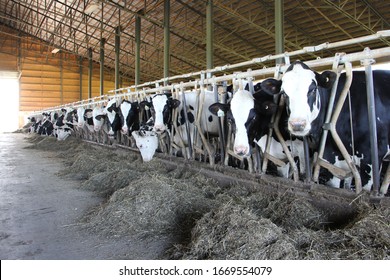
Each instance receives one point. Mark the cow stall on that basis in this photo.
(186, 133)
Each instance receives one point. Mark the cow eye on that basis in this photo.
(313, 91)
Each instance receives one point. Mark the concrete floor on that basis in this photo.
(40, 213)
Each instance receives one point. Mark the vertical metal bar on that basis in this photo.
(321, 148)
(89, 72)
(61, 79)
(166, 39)
(279, 36)
(220, 123)
(307, 159)
(117, 52)
(187, 123)
(209, 36)
(102, 43)
(372, 127)
(333, 131)
(137, 48)
(81, 77)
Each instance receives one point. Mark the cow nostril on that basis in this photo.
(241, 150)
(297, 125)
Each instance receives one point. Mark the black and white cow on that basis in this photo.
(162, 106)
(146, 140)
(129, 114)
(88, 119)
(46, 126)
(99, 118)
(64, 123)
(113, 116)
(308, 95)
(251, 115)
(80, 118)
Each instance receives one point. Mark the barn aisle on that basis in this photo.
(40, 213)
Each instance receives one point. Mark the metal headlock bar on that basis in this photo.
(309, 49)
(256, 61)
(352, 57)
(366, 57)
(274, 127)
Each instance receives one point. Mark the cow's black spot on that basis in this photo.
(210, 118)
(191, 117)
(192, 108)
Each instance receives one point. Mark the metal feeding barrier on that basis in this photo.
(340, 62)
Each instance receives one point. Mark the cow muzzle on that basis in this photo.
(159, 128)
(125, 130)
(241, 150)
(297, 125)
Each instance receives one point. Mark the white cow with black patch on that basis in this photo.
(162, 106)
(308, 95)
(251, 115)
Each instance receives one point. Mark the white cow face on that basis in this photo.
(302, 87)
(241, 105)
(63, 133)
(111, 111)
(159, 104)
(125, 109)
(98, 118)
(147, 143)
(80, 117)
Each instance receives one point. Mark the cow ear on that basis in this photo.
(175, 103)
(326, 79)
(271, 86)
(145, 103)
(214, 108)
(115, 108)
(100, 117)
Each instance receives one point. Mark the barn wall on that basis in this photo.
(48, 79)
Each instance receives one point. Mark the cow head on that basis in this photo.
(63, 133)
(130, 115)
(147, 143)
(80, 117)
(88, 117)
(248, 112)
(161, 106)
(111, 111)
(302, 87)
(98, 118)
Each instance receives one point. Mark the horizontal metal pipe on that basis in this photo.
(377, 53)
(308, 49)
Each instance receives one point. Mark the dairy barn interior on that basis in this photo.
(74, 191)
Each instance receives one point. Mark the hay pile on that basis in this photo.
(153, 205)
(235, 232)
(238, 232)
(207, 221)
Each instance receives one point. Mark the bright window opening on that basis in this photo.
(9, 113)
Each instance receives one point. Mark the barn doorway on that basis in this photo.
(9, 93)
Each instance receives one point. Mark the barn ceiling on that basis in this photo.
(243, 29)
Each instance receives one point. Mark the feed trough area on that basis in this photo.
(285, 162)
(191, 215)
